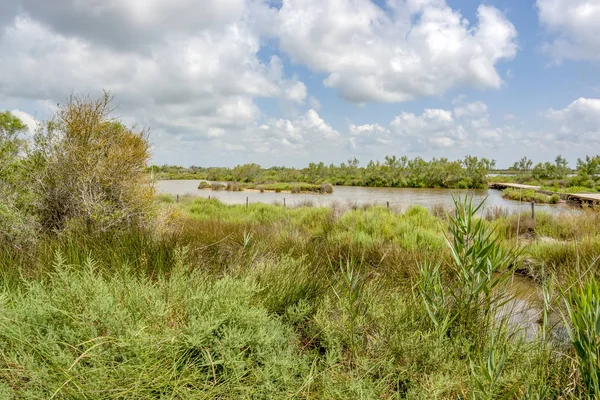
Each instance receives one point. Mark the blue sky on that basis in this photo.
(296, 81)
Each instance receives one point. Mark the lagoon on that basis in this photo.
(398, 198)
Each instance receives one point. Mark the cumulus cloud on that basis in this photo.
(197, 75)
(307, 134)
(578, 122)
(575, 25)
(474, 109)
(369, 138)
(423, 47)
(434, 128)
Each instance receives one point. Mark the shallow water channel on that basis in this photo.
(398, 198)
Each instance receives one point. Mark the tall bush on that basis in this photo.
(91, 169)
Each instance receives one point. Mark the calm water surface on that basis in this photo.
(398, 198)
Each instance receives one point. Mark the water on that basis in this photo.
(523, 311)
(398, 198)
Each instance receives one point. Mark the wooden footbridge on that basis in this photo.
(581, 198)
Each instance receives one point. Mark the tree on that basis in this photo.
(588, 168)
(246, 173)
(91, 169)
(562, 167)
(16, 225)
(11, 145)
(477, 170)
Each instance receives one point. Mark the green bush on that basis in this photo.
(90, 170)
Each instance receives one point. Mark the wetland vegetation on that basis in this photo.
(108, 291)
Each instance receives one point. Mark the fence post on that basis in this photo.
(284, 202)
(533, 210)
(177, 199)
(246, 201)
(388, 205)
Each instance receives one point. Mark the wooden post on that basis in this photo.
(209, 196)
(246, 201)
(533, 210)
(388, 205)
(177, 199)
(284, 202)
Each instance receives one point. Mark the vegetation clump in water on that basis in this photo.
(530, 196)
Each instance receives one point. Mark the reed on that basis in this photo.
(583, 313)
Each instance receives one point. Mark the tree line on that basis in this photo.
(585, 174)
(469, 172)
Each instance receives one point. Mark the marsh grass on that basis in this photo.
(583, 324)
(216, 186)
(234, 187)
(529, 196)
(273, 302)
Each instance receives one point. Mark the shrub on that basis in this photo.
(204, 185)
(233, 187)
(91, 169)
(326, 188)
(217, 186)
(554, 199)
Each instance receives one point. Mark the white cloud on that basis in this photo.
(296, 92)
(578, 122)
(575, 25)
(423, 48)
(314, 103)
(474, 109)
(480, 123)
(442, 141)
(196, 72)
(369, 137)
(196, 76)
(307, 134)
(435, 128)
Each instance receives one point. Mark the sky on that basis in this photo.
(288, 82)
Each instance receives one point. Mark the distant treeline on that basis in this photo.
(586, 173)
(469, 172)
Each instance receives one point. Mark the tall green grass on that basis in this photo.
(269, 302)
(583, 310)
